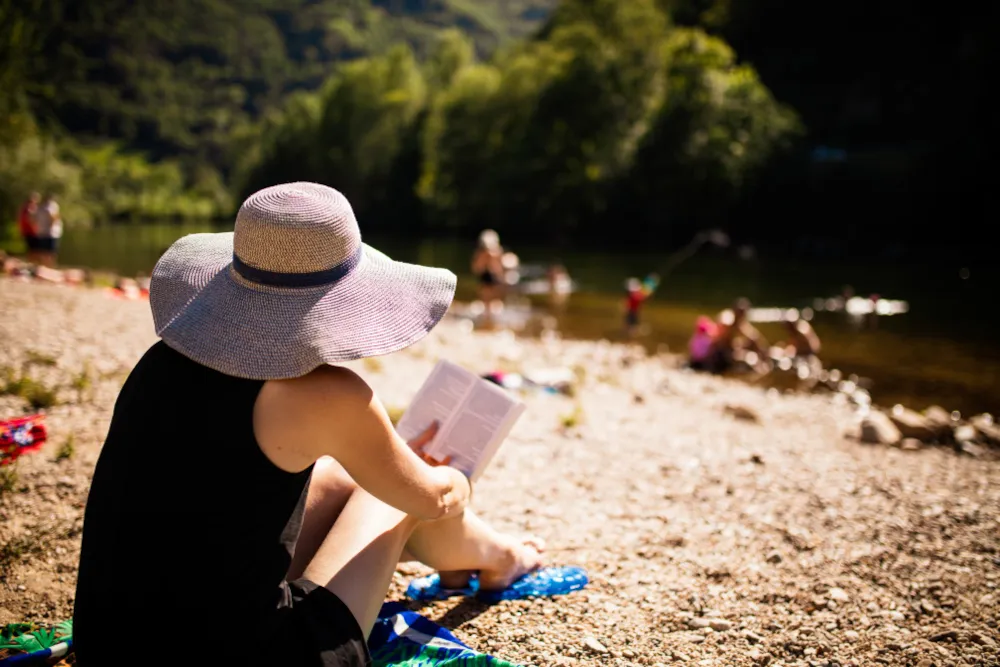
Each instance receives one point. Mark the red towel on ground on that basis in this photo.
(21, 435)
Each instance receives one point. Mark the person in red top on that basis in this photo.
(26, 225)
(636, 293)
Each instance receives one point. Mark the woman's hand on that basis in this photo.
(419, 443)
(459, 480)
(332, 411)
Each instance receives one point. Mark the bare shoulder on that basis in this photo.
(297, 421)
(330, 381)
(327, 392)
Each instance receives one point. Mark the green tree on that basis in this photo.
(717, 129)
(538, 138)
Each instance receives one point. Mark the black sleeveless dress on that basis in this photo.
(189, 532)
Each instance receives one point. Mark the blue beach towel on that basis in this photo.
(403, 638)
(400, 638)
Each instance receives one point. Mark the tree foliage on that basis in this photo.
(609, 111)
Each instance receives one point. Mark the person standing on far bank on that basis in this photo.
(48, 230)
(26, 225)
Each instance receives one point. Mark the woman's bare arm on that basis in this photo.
(334, 412)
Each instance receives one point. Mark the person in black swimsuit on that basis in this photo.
(250, 488)
(487, 266)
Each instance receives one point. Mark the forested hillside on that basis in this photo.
(849, 119)
(177, 80)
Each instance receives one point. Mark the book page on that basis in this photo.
(438, 399)
(475, 417)
(468, 437)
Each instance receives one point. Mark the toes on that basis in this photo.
(536, 543)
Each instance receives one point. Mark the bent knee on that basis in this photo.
(329, 476)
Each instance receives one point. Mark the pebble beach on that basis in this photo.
(720, 524)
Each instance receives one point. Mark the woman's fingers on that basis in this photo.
(430, 460)
(421, 440)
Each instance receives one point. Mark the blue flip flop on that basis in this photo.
(544, 582)
(429, 588)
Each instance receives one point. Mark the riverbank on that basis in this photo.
(721, 524)
(940, 352)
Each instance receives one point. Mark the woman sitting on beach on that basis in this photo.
(250, 487)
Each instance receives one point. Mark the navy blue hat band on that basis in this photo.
(313, 279)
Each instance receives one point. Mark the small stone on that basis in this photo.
(742, 412)
(911, 444)
(878, 429)
(988, 429)
(939, 419)
(721, 625)
(697, 623)
(926, 662)
(592, 644)
(774, 557)
(982, 640)
(22, 587)
(971, 449)
(838, 595)
(896, 617)
(852, 635)
(965, 433)
(915, 425)
(947, 635)
(628, 653)
(752, 637)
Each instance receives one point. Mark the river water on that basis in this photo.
(942, 351)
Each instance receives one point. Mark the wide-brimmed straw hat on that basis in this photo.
(291, 289)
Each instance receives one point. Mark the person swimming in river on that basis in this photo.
(636, 293)
(488, 267)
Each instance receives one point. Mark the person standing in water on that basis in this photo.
(487, 266)
(636, 293)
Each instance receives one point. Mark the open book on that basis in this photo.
(475, 417)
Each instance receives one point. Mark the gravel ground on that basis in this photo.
(720, 524)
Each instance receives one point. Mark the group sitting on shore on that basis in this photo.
(718, 346)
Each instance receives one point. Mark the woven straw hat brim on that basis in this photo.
(205, 311)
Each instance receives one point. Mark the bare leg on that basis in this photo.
(466, 543)
(329, 489)
(359, 555)
(457, 546)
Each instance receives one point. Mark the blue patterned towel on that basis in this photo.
(403, 638)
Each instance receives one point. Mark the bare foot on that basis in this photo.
(456, 579)
(523, 557)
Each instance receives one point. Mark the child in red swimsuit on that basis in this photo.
(636, 293)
